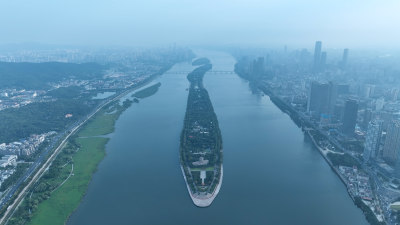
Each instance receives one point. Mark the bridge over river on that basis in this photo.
(209, 72)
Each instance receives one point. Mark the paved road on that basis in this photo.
(31, 169)
(43, 155)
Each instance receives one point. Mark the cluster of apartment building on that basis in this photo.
(353, 102)
(26, 146)
(13, 98)
(357, 181)
(341, 99)
(8, 160)
(6, 173)
(117, 82)
(8, 165)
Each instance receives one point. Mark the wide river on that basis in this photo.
(272, 173)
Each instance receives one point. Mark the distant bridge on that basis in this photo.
(211, 71)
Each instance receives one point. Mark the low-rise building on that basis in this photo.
(8, 160)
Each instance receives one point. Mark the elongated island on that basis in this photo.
(201, 141)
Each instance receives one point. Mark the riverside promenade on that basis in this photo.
(204, 200)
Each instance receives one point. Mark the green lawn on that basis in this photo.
(66, 199)
(99, 125)
(211, 168)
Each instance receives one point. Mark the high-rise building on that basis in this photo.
(367, 90)
(345, 57)
(313, 97)
(318, 99)
(379, 104)
(372, 140)
(317, 55)
(338, 111)
(387, 117)
(322, 61)
(350, 117)
(322, 98)
(394, 94)
(333, 95)
(367, 118)
(258, 67)
(391, 149)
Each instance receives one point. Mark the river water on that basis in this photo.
(272, 173)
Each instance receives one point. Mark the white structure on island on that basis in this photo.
(204, 200)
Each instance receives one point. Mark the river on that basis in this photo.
(272, 173)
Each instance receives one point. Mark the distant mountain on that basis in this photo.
(38, 75)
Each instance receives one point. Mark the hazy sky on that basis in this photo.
(338, 23)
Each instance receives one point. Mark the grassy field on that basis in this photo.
(210, 168)
(101, 124)
(66, 199)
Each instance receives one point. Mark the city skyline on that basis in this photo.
(113, 112)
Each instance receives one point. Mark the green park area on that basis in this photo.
(210, 168)
(66, 199)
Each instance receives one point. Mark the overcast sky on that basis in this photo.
(338, 23)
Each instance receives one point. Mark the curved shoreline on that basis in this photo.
(201, 125)
(204, 202)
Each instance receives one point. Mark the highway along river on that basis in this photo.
(272, 173)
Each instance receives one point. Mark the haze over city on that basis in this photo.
(212, 112)
(355, 24)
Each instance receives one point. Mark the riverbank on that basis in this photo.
(65, 199)
(306, 127)
(325, 156)
(50, 203)
(18, 197)
(204, 202)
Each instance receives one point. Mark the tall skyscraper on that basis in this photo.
(317, 55)
(333, 95)
(367, 90)
(350, 117)
(387, 117)
(318, 99)
(372, 140)
(379, 104)
(345, 57)
(394, 94)
(313, 97)
(258, 67)
(367, 118)
(391, 149)
(322, 98)
(338, 111)
(322, 61)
